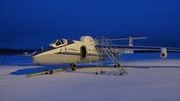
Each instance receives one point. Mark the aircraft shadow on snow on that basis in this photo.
(26, 71)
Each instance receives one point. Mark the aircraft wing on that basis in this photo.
(132, 48)
(138, 48)
(123, 49)
(7, 51)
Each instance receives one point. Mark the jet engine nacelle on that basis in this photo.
(163, 53)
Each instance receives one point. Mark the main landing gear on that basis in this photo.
(73, 67)
(117, 65)
(48, 72)
(121, 69)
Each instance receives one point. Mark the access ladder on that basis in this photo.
(115, 60)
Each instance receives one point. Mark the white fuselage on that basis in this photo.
(77, 51)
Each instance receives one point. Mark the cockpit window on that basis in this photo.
(58, 43)
(62, 41)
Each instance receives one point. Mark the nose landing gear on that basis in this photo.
(73, 67)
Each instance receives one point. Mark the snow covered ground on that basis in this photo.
(141, 84)
(150, 79)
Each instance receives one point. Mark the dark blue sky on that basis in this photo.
(33, 23)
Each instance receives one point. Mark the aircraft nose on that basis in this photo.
(40, 58)
(35, 59)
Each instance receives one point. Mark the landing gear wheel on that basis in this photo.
(48, 72)
(117, 65)
(96, 73)
(73, 67)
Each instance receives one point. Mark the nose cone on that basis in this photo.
(36, 59)
(42, 58)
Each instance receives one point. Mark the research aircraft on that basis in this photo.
(88, 50)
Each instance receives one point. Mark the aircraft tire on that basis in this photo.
(73, 67)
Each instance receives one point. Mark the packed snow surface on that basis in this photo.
(140, 84)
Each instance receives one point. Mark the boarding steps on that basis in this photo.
(115, 60)
(107, 52)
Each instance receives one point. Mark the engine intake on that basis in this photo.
(83, 52)
(163, 53)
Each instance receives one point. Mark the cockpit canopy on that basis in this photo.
(58, 43)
